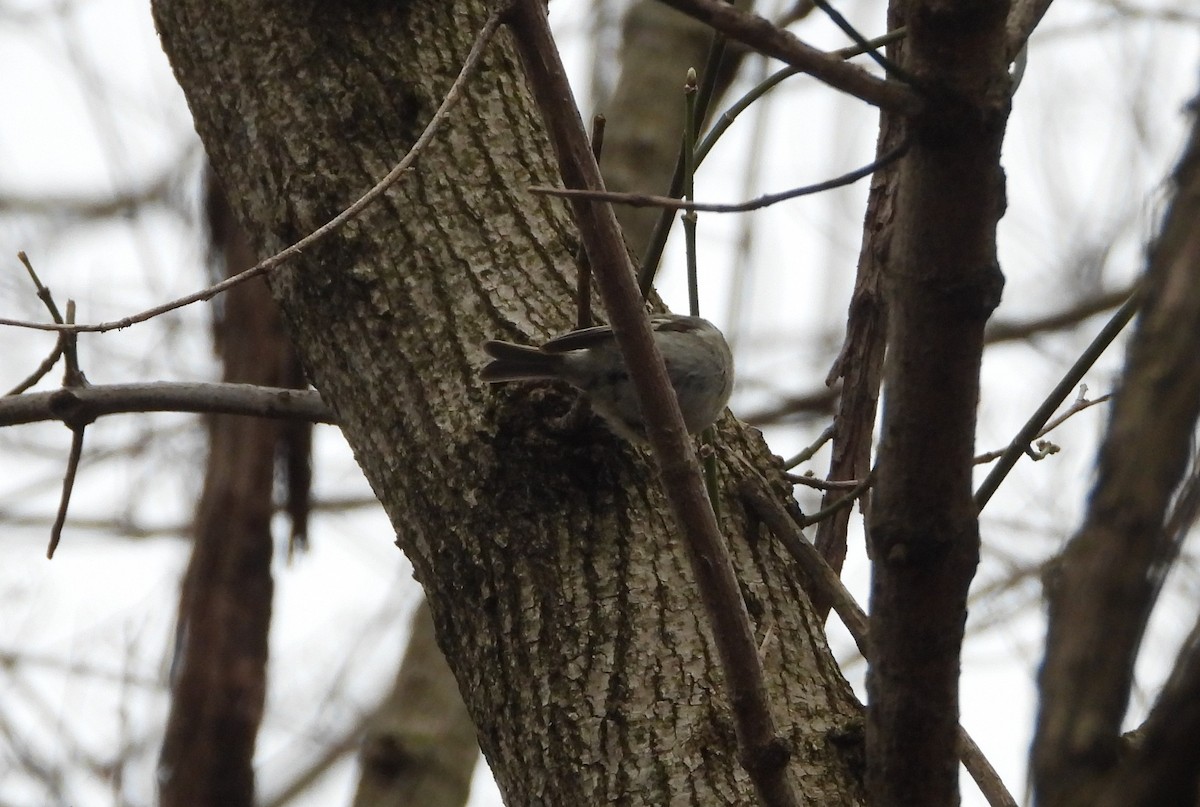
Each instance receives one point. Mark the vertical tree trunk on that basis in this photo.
(219, 672)
(420, 745)
(943, 281)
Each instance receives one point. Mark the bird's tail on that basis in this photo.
(517, 362)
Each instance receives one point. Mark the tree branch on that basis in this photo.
(1022, 19)
(766, 200)
(1014, 330)
(1162, 763)
(89, 403)
(759, 34)
(763, 754)
(825, 585)
(1028, 432)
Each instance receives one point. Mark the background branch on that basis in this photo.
(1104, 584)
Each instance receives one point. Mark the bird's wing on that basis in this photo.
(579, 340)
(603, 334)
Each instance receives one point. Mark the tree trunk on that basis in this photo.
(420, 744)
(941, 282)
(218, 681)
(561, 597)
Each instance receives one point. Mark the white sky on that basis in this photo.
(91, 107)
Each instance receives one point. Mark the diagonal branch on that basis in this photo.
(825, 585)
(761, 35)
(763, 754)
(1022, 19)
(1035, 423)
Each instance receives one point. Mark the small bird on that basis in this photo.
(699, 364)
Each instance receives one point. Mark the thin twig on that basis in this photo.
(820, 576)
(822, 484)
(1057, 395)
(68, 485)
(43, 293)
(849, 30)
(650, 200)
(705, 95)
(691, 127)
(583, 286)
(1073, 410)
(41, 371)
(56, 353)
(726, 118)
(806, 454)
(73, 379)
(841, 504)
(658, 237)
(453, 95)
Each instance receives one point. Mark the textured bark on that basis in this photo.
(942, 282)
(219, 675)
(860, 363)
(561, 598)
(1106, 582)
(420, 744)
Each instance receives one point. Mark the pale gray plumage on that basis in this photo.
(696, 354)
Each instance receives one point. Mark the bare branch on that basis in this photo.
(68, 485)
(1057, 395)
(825, 585)
(833, 506)
(822, 484)
(39, 372)
(1074, 409)
(805, 454)
(763, 753)
(1012, 331)
(88, 403)
(1023, 17)
(670, 203)
(759, 34)
(820, 401)
(47, 299)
